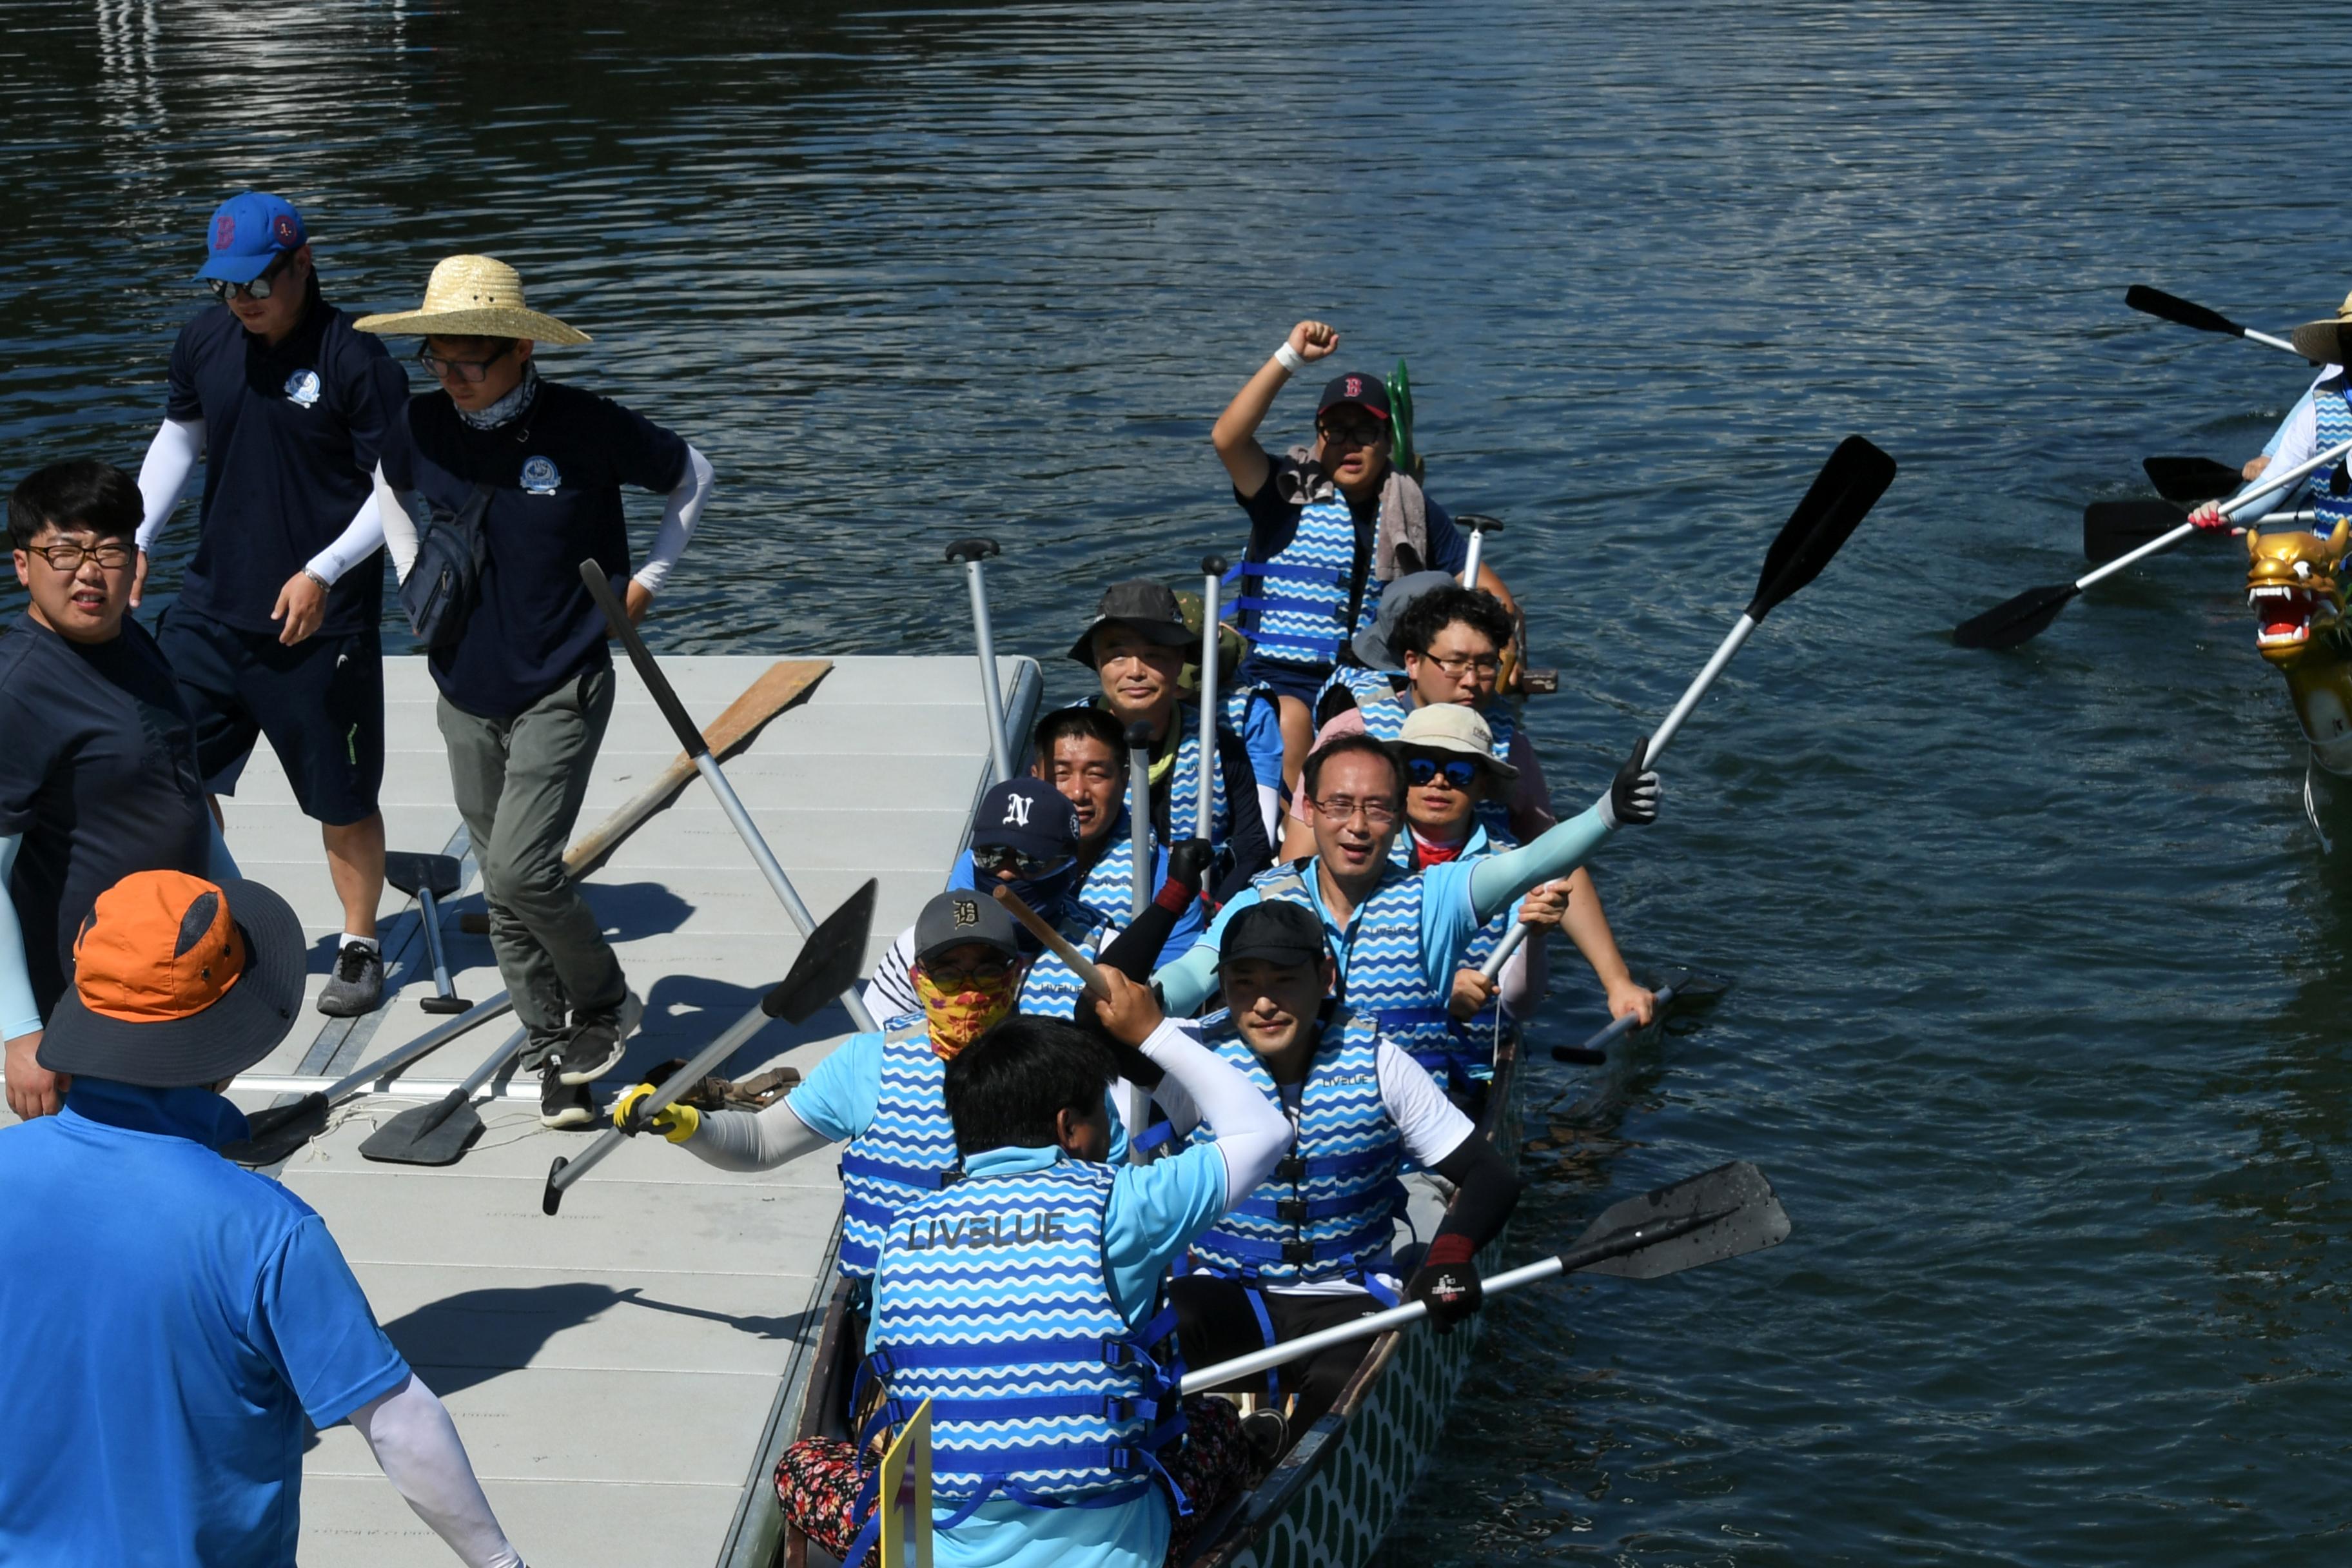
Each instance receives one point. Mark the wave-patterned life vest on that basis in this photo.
(992, 1301)
(1329, 1209)
(2331, 414)
(904, 1155)
(1384, 720)
(1469, 1057)
(1184, 783)
(1093, 914)
(1361, 685)
(1293, 605)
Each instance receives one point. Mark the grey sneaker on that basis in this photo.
(598, 1042)
(357, 984)
(564, 1105)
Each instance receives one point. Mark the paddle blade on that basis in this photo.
(2013, 621)
(829, 962)
(434, 1134)
(1841, 495)
(277, 1132)
(2113, 528)
(2173, 308)
(2191, 480)
(1740, 1211)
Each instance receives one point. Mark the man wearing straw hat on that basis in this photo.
(521, 476)
(182, 1324)
(2322, 419)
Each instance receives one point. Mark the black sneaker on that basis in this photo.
(564, 1105)
(1267, 1435)
(598, 1042)
(357, 984)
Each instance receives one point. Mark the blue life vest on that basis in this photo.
(904, 1155)
(1469, 1057)
(1365, 686)
(2331, 413)
(992, 1301)
(1184, 783)
(1294, 606)
(1091, 917)
(1384, 720)
(1331, 1207)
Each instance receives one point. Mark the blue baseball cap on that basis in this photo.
(1028, 815)
(249, 232)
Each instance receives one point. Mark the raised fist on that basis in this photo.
(1314, 340)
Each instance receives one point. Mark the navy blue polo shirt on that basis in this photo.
(1273, 522)
(98, 773)
(291, 438)
(176, 1324)
(555, 473)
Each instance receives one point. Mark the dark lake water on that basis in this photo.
(2038, 1025)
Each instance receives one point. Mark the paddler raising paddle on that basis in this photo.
(1330, 525)
(2322, 419)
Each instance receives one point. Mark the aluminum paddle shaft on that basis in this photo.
(1213, 579)
(971, 552)
(1139, 815)
(705, 1062)
(2261, 490)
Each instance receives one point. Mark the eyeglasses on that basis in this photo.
(111, 555)
(1453, 664)
(465, 370)
(1351, 432)
(996, 859)
(1457, 771)
(1343, 808)
(259, 288)
(983, 973)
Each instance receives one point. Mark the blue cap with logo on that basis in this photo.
(249, 232)
(1028, 815)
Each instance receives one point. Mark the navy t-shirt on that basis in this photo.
(556, 474)
(291, 437)
(1274, 522)
(97, 774)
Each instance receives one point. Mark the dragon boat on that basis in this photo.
(2294, 587)
(1327, 1502)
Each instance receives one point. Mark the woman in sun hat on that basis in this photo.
(178, 1325)
(2322, 420)
(536, 467)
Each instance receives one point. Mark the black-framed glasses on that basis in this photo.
(465, 370)
(995, 859)
(261, 288)
(988, 971)
(112, 555)
(1459, 772)
(1456, 665)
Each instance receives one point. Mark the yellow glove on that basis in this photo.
(678, 1122)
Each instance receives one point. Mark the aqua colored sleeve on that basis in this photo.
(1119, 1149)
(1448, 920)
(1192, 979)
(837, 1100)
(1155, 1212)
(19, 1015)
(1498, 880)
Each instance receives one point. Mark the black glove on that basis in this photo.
(1447, 1282)
(1187, 862)
(1632, 798)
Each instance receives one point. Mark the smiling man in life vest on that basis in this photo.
(1055, 1246)
(1309, 1247)
(525, 475)
(275, 630)
(1330, 525)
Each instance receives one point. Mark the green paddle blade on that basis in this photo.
(2113, 528)
(1841, 496)
(1401, 448)
(2192, 481)
(2013, 621)
(2173, 308)
(1706, 1218)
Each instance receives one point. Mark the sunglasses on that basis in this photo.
(1457, 771)
(1352, 432)
(998, 858)
(261, 288)
(465, 370)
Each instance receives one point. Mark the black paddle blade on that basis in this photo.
(434, 1134)
(2113, 528)
(1724, 1212)
(1841, 495)
(2192, 480)
(274, 1133)
(2173, 308)
(831, 962)
(2013, 621)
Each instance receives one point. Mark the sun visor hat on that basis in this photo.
(1147, 609)
(178, 981)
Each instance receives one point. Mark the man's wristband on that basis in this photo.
(1289, 358)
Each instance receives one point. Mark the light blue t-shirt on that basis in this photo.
(837, 1100)
(1457, 898)
(1154, 1214)
(175, 1319)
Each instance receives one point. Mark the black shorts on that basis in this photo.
(1302, 681)
(320, 703)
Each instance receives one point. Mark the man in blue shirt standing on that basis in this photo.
(182, 1322)
(275, 630)
(533, 469)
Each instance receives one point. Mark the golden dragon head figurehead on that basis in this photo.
(2291, 586)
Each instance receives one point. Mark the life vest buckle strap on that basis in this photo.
(1299, 1252)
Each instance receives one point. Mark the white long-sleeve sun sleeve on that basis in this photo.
(679, 518)
(172, 457)
(416, 1446)
(399, 527)
(359, 540)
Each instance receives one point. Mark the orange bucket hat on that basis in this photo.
(178, 981)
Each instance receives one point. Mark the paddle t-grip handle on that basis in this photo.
(975, 549)
(616, 617)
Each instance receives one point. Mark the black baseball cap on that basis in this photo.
(1149, 608)
(1275, 931)
(1366, 392)
(1028, 815)
(960, 915)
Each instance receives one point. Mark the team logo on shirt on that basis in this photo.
(302, 388)
(538, 475)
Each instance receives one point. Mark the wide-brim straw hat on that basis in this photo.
(2321, 341)
(472, 296)
(1452, 726)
